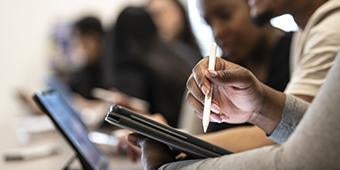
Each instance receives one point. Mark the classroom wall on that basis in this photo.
(24, 31)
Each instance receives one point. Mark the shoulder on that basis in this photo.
(325, 22)
(323, 31)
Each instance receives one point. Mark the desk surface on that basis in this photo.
(8, 140)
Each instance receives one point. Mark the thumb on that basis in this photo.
(235, 77)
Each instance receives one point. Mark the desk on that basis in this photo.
(56, 162)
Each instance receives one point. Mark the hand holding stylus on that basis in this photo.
(236, 95)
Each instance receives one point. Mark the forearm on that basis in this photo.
(280, 114)
(270, 113)
(238, 139)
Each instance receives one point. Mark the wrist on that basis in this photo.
(270, 112)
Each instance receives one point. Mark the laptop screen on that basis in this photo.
(71, 126)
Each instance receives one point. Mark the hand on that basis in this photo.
(236, 95)
(124, 146)
(154, 154)
(133, 152)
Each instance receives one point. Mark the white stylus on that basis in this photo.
(207, 99)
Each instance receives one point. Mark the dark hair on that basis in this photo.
(88, 25)
(186, 35)
(133, 35)
(134, 24)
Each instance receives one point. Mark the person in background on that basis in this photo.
(263, 49)
(172, 22)
(87, 51)
(146, 67)
(75, 65)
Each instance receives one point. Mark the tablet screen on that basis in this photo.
(71, 126)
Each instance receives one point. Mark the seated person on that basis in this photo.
(77, 70)
(264, 50)
(143, 65)
(87, 50)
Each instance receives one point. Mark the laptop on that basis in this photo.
(68, 122)
(175, 139)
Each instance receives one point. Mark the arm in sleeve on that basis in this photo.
(293, 112)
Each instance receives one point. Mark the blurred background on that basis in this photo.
(25, 40)
(25, 31)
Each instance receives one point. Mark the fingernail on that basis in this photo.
(215, 108)
(216, 119)
(213, 73)
(205, 90)
(224, 118)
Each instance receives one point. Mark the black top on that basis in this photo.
(278, 73)
(279, 70)
(83, 81)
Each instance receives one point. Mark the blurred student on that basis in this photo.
(172, 22)
(146, 67)
(75, 65)
(86, 53)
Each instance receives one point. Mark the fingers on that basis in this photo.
(153, 154)
(216, 118)
(136, 139)
(237, 77)
(213, 117)
(196, 104)
(198, 83)
(133, 152)
(199, 75)
(194, 89)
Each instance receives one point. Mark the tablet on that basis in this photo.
(125, 118)
(68, 122)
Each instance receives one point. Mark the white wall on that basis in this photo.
(24, 29)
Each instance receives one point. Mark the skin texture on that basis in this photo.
(238, 97)
(238, 139)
